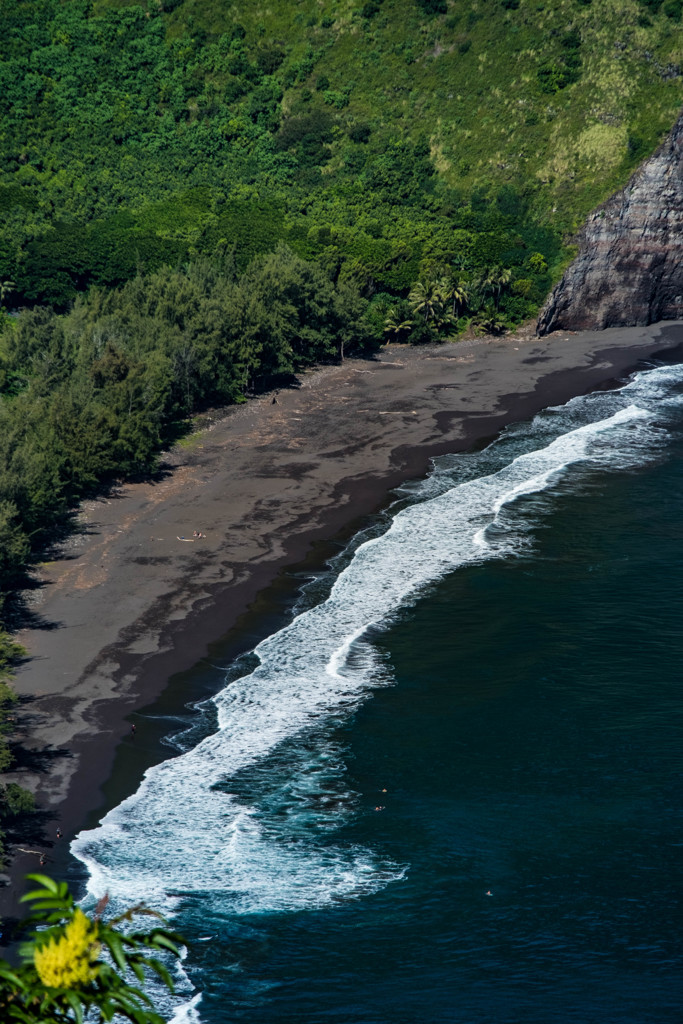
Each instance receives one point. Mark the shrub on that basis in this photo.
(369, 9)
(62, 975)
(360, 133)
(336, 99)
(433, 7)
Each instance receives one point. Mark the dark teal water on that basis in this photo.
(523, 712)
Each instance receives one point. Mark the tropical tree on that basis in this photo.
(489, 320)
(493, 281)
(454, 293)
(76, 966)
(523, 286)
(425, 299)
(395, 327)
(486, 282)
(503, 277)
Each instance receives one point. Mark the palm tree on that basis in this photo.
(393, 325)
(488, 280)
(503, 279)
(458, 295)
(425, 299)
(489, 320)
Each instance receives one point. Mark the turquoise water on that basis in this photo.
(495, 665)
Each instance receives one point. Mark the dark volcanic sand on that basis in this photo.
(128, 604)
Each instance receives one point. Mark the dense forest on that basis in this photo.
(198, 198)
(384, 140)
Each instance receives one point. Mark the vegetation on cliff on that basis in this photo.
(386, 140)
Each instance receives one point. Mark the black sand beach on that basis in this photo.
(136, 599)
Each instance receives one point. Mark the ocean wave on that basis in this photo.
(248, 816)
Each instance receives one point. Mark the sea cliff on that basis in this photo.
(629, 268)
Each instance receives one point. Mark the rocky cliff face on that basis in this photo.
(629, 269)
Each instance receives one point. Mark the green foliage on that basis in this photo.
(74, 967)
(441, 306)
(565, 69)
(112, 381)
(142, 135)
(14, 801)
(433, 7)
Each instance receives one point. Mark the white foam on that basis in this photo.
(187, 1013)
(180, 835)
(183, 835)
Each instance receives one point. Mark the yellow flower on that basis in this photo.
(69, 962)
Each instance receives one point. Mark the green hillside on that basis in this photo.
(383, 138)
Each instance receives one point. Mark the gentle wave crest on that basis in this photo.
(195, 828)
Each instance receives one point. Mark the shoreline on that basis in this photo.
(135, 599)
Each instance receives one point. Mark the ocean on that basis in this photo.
(450, 788)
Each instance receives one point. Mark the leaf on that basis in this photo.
(45, 881)
(137, 971)
(76, 1005)
(9, 975)
(115, 946)
(38, 894)
(166, 943)
(46, 904)
(163, 973)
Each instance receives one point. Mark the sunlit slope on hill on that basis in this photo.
(567, 95)
(383, 138)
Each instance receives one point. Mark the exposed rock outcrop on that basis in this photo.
(629, 269)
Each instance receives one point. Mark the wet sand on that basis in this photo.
(135, 597)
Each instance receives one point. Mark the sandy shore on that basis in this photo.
(135, 597)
